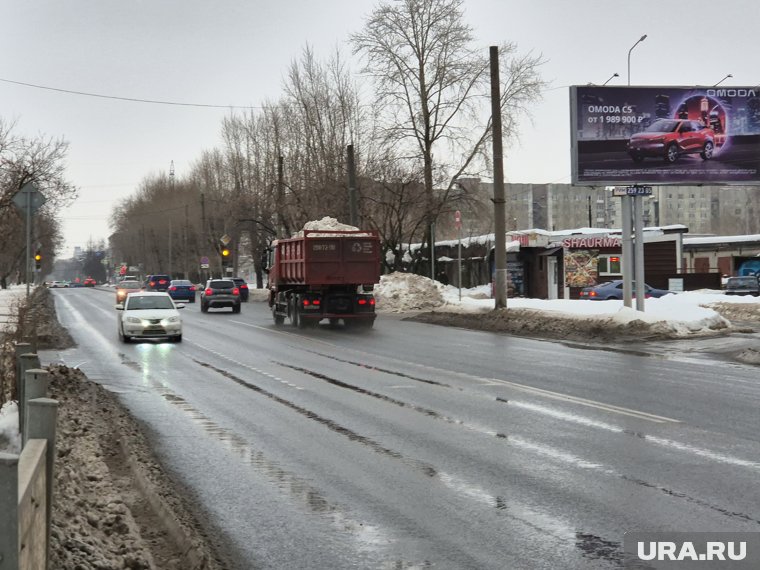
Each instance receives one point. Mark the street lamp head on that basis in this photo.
(643, 38)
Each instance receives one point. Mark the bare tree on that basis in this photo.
(433, 85)
(39, 160)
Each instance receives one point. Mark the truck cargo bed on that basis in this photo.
(323, 258)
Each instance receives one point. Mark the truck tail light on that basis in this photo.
(209, 292)
(372, 301)
(317, 302)
(306, 302)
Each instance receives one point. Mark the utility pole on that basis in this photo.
(280, 193)
(500, 253)
(186, 256)
(352, 198)
(171, 186)
(204, 241)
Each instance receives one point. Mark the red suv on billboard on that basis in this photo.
(670, 138)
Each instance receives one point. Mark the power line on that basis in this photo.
(132, 99)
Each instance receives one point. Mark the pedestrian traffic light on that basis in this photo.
(38, 259)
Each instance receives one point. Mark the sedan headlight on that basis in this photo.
(134, 320)
(170, 320)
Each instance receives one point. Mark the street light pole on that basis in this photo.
(722, 80)
(641, 39)
(610, 79)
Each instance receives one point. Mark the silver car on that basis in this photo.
(149, 314)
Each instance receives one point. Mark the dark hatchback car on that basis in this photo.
(243, 286)
(748, 285)
(220, 293)
(614, 290)
(181, 290)
(157, 283)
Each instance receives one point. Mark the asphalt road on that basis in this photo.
(415, 446)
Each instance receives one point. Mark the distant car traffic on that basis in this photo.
(670, 138)
(220, 293)
(149, 315)
(614, 290)
(749, 285)
(89, 282)
(57, 284)
(157, 283)
(243, 286)
(181, 290)
(124, 288)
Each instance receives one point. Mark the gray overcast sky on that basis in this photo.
(235, 52)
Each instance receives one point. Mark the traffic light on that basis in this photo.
(226, 259)
(38, 260)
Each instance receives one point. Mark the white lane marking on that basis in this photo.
(247, 366)
(584, 402)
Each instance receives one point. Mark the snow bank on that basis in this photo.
(677, 315)
(10, 439)
(399, 292)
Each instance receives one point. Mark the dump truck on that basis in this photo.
(324, 274)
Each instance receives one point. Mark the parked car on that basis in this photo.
(157, 283)
(181, 290)
(670, 138)
(243, 286)
(124, 288)
(57, 284)
(749, 285)
(614, 290)
(89, 282)
(149, 315)
(220, 293)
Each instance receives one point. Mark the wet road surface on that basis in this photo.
(415, 446)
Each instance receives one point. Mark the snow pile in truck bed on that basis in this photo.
(327, 224)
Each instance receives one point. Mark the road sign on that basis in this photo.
(29, 195)
(204, 265)
(458, 220)
(204, 260)
(632, 191)
(225, 239)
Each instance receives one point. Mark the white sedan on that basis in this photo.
(149, 315)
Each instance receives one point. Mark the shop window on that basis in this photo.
(609, 264)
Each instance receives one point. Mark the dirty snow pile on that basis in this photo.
(10, 440)
(683, 314)
(399, 292)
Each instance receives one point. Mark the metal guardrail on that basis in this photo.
(26, 480)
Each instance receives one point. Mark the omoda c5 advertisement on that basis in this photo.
(665, 135)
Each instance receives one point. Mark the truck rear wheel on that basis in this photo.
(278, 319)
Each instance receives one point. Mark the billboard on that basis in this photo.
(665, 135)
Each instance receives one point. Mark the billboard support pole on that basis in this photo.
(627, 251)
(638, 209)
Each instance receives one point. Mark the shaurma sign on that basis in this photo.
(665, 135)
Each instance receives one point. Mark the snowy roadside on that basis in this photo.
(115, 506)
(683, 315)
